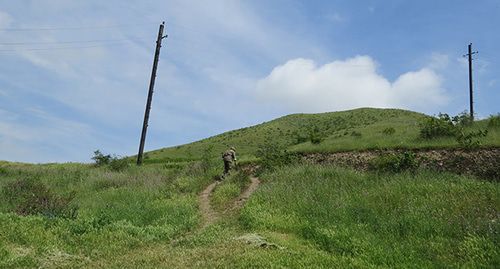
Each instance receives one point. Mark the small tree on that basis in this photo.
(101, 159)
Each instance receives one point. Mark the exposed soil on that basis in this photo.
(241, 200)
(483, 163)
(209, 214)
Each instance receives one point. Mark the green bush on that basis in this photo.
(114, 162)
(272, 156)
(446, 126)
(494, 121)
(315, 136)
(463, 119)
(117, 164)
(440, 126)
(471, 139)
(29, 196)
(101, 159)
(396, 162)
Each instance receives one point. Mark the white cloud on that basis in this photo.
(302, 86)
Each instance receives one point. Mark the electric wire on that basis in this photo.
(69, 42)
(73, 28)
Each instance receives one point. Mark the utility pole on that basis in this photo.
(150, 93)
(469, 55)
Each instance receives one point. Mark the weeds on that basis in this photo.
(29, 196)
(396, 162)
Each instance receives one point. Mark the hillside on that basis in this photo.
(292, 213)
(358, 129)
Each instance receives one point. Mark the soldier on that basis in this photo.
(229, 158)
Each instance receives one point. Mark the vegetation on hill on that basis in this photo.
(114, 215)
(359, 129)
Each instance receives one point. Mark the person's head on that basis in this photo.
(232, 148)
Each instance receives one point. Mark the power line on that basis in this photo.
(69, 42)
(73, 28)
(62, 48)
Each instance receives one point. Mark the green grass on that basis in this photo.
(117, 212)
(334, 129)
(403, 220)
(229, 189)
(317, 217)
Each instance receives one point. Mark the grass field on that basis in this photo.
(302, 216)
(309, 216)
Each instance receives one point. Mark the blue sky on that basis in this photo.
(74, 74)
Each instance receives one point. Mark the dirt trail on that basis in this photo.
(241, 200)
(209, 214)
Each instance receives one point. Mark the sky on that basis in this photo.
(74, 75)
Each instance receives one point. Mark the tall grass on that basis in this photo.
(116, 212)
(403, 220)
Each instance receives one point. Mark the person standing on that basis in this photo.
(229, 157)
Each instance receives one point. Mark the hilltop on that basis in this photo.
(358, 129)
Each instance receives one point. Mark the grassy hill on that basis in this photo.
(359, 129)
(301, 216)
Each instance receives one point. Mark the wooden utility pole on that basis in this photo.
(471, 100)
(150, 93)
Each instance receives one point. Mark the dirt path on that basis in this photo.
(241, 200)
(209, 214)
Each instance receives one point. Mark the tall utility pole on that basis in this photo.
(150, 93)
(469, 55)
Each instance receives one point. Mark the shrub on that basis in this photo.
(389, 131)
(272, 156)
(315, 136)
(463, 119)
(472, 139)
(440, 126)
(117, 164)
(396, 162)
(114, 162)
(101, 159)
(494, 121)
(30, 197)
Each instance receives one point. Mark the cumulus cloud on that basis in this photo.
(303, 86)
